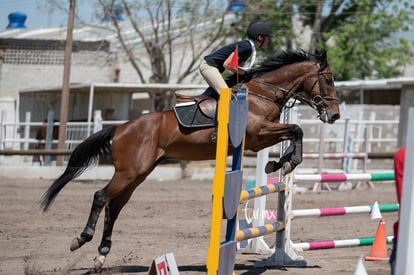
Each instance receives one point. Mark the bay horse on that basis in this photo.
(139, 145)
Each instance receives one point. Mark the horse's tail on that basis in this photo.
(81, 158)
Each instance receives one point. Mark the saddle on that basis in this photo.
(196, 111)
(200, 110)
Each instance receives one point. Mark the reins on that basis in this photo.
(285, 92)
(280, 102)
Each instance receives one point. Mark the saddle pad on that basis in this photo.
(190, 116)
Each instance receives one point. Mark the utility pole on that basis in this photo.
(64, 103)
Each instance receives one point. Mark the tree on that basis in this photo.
(163, 26)
(167, 38)
(360, 35)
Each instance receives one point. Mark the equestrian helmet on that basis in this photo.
(257, 28)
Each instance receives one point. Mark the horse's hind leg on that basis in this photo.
(120, 183)
(112, 210)
(89, 230)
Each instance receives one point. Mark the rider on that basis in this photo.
(214, 64)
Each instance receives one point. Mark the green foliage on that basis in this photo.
(364, 44)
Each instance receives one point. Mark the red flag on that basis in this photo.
(234, 63)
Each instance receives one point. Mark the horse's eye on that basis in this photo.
(329, 81)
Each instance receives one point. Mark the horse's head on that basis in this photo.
(299, 75)
(320, 89)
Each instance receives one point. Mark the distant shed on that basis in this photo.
(115, 100)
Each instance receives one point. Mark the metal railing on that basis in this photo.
(345, 136)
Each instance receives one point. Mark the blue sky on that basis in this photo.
(37, 15)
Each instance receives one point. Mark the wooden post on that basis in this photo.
(66, 82)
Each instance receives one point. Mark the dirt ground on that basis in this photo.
(164, 217)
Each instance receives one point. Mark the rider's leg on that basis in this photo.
(212, 76)
(214, 79)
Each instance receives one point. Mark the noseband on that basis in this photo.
(317, 102)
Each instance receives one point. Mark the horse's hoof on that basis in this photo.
(105, 247)
(287, 168)
(269, 167)
(99, 262)
(272, 166)
(76, 243)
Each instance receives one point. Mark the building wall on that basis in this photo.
(30, 64)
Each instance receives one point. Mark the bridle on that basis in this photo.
(316, 102)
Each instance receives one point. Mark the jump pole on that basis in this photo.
(337, 243)
(344, 177)
(259, 231)
(261, 191)
(213, 253)
(339, 211)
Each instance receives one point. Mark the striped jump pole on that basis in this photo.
(261, 191)
(259, 231)
(338, 211)
(333, 155)
(344, 177)
(337, 243)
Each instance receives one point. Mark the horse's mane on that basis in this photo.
(280, 59)
(275, 61)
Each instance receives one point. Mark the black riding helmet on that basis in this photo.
(257, 28)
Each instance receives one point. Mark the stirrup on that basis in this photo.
(213, 136)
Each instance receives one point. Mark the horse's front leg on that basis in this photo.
(296, 157)
(292, 156)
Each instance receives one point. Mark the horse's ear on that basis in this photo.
(322, 59)
(323, 56)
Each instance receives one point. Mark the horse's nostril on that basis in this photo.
(336, 116)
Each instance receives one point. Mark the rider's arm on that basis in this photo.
(227, 66)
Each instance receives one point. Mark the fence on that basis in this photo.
(357, 139)
(20, 138)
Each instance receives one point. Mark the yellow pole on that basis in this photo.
(213, 254)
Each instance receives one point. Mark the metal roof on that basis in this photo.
(116, 87)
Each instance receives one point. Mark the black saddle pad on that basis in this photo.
(189, 115)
